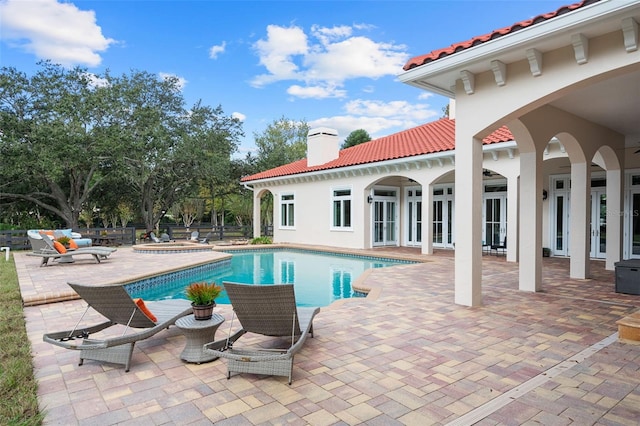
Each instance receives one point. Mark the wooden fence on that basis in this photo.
(18, 240)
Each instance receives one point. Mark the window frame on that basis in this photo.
(346, 214)
(290, 213)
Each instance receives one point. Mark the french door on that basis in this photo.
(560, 224)
(561, 215)
(443, 217)
(385, 217)
(414, 217)
(495, 219)
(634, 224)
(598, 223)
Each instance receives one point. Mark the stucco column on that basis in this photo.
(580, 227)
(530, 240)
(256, 214)
(512, 219)
(468, 219)
(427, 219)
(615, 217)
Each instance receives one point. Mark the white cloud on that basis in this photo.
(240, 116)
(404, 109)
(277, 51)
(214, 51)
(354, 57)
(324, 59)
(316, 92)
(180, 81)
(425, 95)
(378, 118)
(50, 30)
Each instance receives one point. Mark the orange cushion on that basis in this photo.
(59, 247)
(72, 244)
(146, 310)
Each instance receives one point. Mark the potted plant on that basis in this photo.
(203, 296)
(64, 241)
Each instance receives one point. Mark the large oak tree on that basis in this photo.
(67, 135)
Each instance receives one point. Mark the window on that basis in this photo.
(341, 208)
(287, 211)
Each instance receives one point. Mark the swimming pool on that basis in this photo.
(320, 278)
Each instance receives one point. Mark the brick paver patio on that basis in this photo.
(406, 355)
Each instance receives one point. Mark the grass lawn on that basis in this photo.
(18, 387)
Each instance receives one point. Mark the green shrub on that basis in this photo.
(261, 240)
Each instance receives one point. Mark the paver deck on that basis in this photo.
(406, 355)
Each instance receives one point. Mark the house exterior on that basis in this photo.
(552, 163)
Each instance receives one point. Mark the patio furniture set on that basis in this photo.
(268, 310)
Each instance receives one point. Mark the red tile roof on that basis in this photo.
(457, 47)
(437, 136)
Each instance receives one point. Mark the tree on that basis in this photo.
(445, 111)
(282, 142)
(356, 138)
(67, 136)
(55, 141)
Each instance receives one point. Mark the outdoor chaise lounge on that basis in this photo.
(269, 310)
(44, 248)
(206, 238)
(140, 320)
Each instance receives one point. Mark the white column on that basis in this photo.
(530, 240)
(615, 217)
(256, 214)
(468, 219)
(580, 226)
(427, 219)
(512, 219)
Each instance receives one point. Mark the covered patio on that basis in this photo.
(404, 355)
(571, 75)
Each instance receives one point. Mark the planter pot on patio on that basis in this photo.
(203, 312)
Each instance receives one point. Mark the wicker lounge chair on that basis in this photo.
(206, 238)
(114, 303)
(43, 247)
(153, 237)
(269, 310)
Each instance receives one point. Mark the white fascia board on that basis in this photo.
(519, 41)
(394, 162)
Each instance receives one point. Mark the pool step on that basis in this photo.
(629, 327)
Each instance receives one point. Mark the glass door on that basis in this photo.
(385, 221)
(414, 217)
(635, 225)
(598, 223)
(560, 210)
(443, 217)
(495, 219)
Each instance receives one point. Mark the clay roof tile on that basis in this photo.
(433, 137)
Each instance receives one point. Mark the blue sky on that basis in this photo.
(331, 63)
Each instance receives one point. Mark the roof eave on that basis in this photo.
(385, 163)
(440, 75)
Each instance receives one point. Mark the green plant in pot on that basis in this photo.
(64, 241)
(203, 298)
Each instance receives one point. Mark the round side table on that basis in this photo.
(197, 333)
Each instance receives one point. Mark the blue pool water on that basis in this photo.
(319, 278)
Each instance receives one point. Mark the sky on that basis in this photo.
(330, 63)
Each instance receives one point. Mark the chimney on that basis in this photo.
(322, 146)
